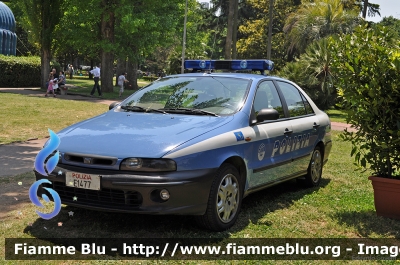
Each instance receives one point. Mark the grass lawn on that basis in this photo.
(84, 85)
(337, 115)
(342, 207)
(24, 117)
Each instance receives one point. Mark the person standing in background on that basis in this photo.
(71, 71)
(52, 83)
(96, 77)
(121, 82)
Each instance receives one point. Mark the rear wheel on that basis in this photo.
(224, 200)
(314, 171)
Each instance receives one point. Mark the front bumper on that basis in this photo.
(122, 191)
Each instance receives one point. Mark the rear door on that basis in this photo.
(305, 125)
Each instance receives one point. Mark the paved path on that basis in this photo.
(18, 158)
(36, 92)
(338, 126)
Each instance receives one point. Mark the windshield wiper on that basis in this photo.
(141, 109)
(194, 111)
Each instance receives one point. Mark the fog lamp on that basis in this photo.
(164, 194)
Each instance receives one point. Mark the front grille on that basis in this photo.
(108, 198)
(90, 159)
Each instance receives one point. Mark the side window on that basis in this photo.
(267, 98)
(308, 106)
(293, 99)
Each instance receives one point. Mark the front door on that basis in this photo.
(270, 156)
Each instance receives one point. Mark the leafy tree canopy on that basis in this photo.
(254, 31)
(318, 19)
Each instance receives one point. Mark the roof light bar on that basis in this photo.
(199, 64)
(255, 65)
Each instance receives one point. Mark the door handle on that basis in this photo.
(287, 131)
(315, 125)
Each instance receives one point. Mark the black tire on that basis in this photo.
(314, 171)
(224, 201)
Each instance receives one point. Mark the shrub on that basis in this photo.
(19, 71)
(22, 71)
(367, 66)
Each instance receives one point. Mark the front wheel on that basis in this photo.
(224, 200)
(314, 171)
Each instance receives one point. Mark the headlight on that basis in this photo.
(148, 164)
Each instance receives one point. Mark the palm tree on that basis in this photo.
(316, 20)
(312, 72)
(363, 6)
(318, 60)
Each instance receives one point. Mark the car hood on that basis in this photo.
(132, 134)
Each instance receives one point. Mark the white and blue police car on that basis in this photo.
(194, 144)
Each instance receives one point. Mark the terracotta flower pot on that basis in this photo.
(386, 196)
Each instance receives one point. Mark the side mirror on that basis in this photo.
(267, 114)
(113, 105)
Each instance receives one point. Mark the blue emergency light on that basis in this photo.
(199, 64)
(235, 65)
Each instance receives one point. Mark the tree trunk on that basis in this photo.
(235, 29)
(107, 71)
(107, 55)
(45, 66)
(271, 17)
(45, 41)
(132, 75)
(365, 7)
(228, 44)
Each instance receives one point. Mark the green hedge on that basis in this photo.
(19, 71)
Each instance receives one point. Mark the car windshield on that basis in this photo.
(191, 95)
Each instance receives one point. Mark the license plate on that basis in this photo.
(82, 181)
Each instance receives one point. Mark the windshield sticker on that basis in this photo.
(239, 136)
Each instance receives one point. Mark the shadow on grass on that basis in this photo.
(94, 224)
(114, 229)
(259, 204)
(14, 193)
(368, 224)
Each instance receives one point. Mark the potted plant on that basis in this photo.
(367, 69)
